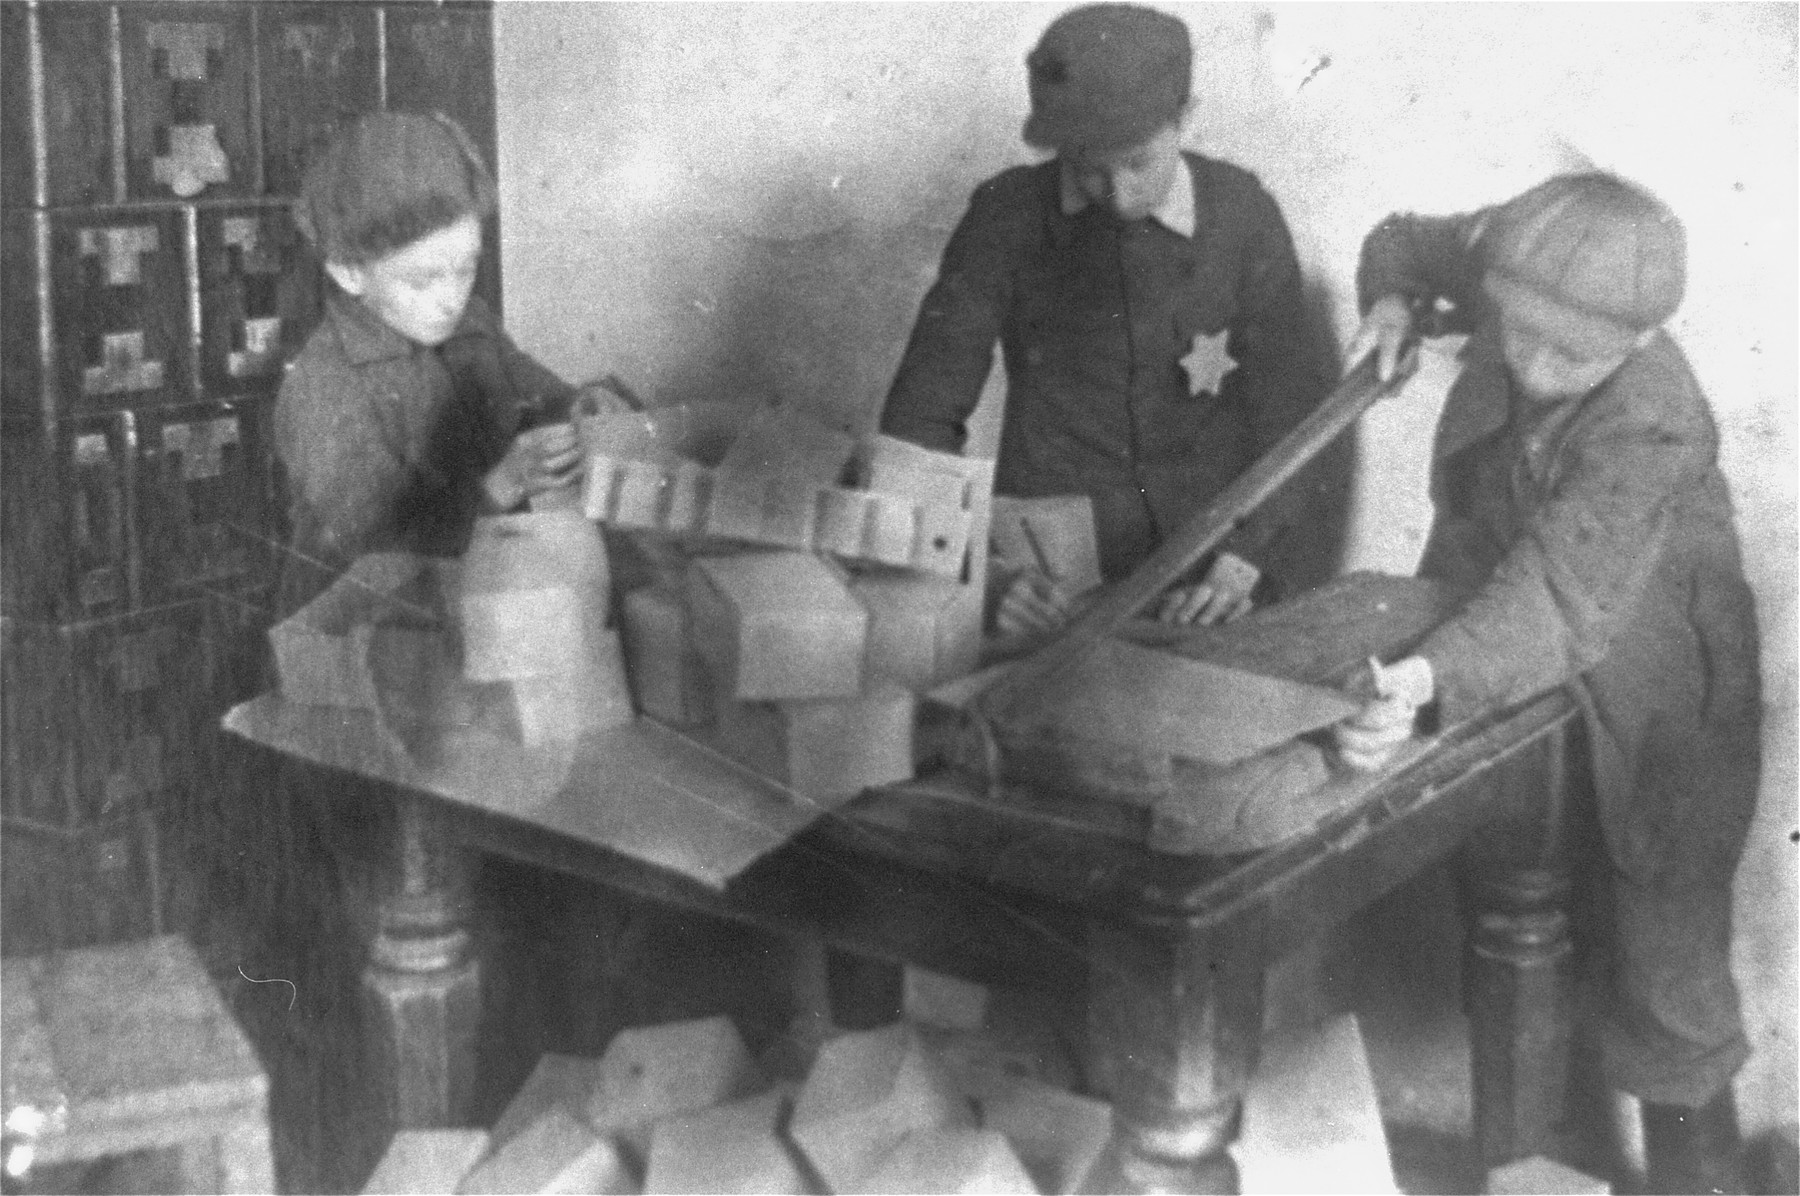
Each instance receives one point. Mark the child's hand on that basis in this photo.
(1220, 598)
(1384, 329)
(1033, 605)
(1394, 693)
(540, 459)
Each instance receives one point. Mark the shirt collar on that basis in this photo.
(367, 338)
(1175, 212)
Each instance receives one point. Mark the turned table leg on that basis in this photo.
(1174, 1028)
(422, 994)
(1518, 983)
(1519, 996)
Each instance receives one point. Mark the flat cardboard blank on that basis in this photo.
(1158, 701)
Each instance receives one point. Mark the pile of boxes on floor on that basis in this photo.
(942, 1102)
(682, 1107)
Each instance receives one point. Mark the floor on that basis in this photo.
(1396, 969)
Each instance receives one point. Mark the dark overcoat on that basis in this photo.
(1094, 316)
(1591, 543)
(383, 443)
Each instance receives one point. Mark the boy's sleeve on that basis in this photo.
(1425, 258)
(1559, 595)
(343, 475)
(355, 485)
(950, 351)
(1281, 374)
(520, 392)
(545, 395)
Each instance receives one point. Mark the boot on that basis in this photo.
(1694, 1150)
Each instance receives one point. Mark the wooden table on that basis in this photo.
(1172, 949)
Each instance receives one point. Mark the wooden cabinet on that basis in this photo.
(153, 287)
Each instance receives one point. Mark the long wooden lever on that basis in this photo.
(1009, 700)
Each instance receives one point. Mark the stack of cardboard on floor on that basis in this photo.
(683, 1107)
(810, 585)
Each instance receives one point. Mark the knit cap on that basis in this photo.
(1592, 243)
(1107, 76)
(386, 181)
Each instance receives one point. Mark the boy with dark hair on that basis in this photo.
(1583, 519)
(409, 412)
(1148, 305)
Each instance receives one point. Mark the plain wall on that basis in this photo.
(721, 201)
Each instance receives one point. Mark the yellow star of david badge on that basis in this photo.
(1207, 362)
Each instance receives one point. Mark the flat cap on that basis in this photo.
(1592, 242)
(1106, 76)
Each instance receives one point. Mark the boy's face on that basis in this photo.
(1554, 352)
(419, 291)
(1131, 181)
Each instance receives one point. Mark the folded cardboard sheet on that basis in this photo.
(640, 789)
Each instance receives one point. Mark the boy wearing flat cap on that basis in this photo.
(1583, 520)
(409, 412)
(1148, 305)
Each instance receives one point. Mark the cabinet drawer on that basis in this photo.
(100, 717)
(204, 502)
(67, 507)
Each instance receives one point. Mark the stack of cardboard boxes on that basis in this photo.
(812, 586)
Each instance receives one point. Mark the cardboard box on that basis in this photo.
(765, 489)
(556, 1153)
(825, 749)
(563, 1081)
(893, 529)
(935, 999)
(1058, 1135)
(950, 1160)
(689, 496)
(776, 625)
(954, 495)
(841, 524)
(652, 1072)
(427, 1161)
(668, 677)
(923, 630)
(865, 1093)
(735, 1147)
(534, 595)
(592, 695)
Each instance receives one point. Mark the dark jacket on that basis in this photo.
(383, 443)
(1094, 316)
(1593, 542)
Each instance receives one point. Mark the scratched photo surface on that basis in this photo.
(813, 730)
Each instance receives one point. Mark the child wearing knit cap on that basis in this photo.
(409, 412)
(1582, 519)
